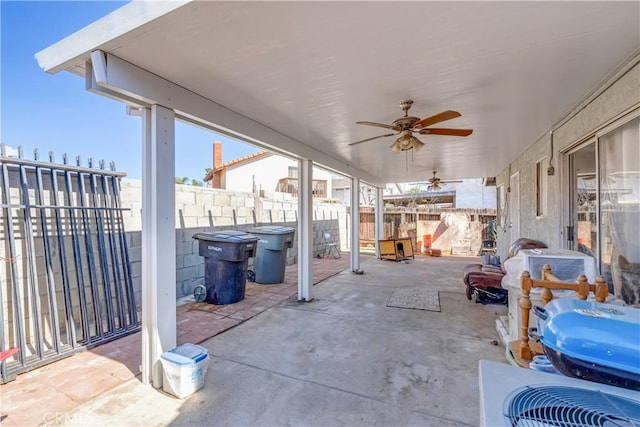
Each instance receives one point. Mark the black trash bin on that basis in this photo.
(271, 254)
(226, 255)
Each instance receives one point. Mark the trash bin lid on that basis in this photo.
(185, 354)
(226, 236)
(272, 229)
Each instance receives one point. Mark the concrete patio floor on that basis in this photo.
(343, 359)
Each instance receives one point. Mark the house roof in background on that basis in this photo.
(238, 162)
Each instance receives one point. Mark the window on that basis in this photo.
(541, 188)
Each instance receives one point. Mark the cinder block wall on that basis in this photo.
(202, 209)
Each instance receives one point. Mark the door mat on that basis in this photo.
(416, 298)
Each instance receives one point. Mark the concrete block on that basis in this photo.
(184, 248)
(236, 201)
(133, 224)
(179, 261)
(242, 212)
(185, 197)
(204, 199)
(180, 235)
(249, 202)
(190, 222)
(224, 222)
(213, 210)
(193, 210)
(136, 269)
(135, 253)
(221, 200)
(205, 222)
(136, 208)
(267, 205)
(134, 238)
(186, 273)
(227, 211)
(192, 259)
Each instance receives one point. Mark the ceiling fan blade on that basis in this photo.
(450, 182)
(440, 117)
(445, 131)
(371, 139)
(380, 125)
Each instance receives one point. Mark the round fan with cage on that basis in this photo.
(436, 183)
(407, 125)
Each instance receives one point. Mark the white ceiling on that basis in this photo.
(311, 69)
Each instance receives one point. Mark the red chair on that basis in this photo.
(5, 354)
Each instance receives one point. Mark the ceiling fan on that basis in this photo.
(436, 183)
(405, 127)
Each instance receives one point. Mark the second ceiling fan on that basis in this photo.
(405, 127)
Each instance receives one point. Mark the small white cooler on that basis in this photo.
(184, 369)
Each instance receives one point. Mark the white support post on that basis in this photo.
(379, 219)
(355, 224)
(158, 241)
(305, 230)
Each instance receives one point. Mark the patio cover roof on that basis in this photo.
(306, 71)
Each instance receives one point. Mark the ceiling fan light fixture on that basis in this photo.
(416, 144)
(406, 141)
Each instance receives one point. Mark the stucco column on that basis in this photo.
(379, 219)
(355, 224)
(305, 230)
(158, 241)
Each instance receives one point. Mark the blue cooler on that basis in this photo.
(593, 341)
(184, 369)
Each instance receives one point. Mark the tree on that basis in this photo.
(184, 180)
(367, 195)
(196, 183)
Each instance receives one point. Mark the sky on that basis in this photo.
(56, 113)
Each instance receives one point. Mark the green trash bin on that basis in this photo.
(271, 252)
(226, 256)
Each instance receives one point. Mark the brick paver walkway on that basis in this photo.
(44, 395)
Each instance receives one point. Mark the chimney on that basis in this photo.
(217, 154)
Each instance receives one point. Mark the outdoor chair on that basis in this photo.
(484, 282)
(330, 246)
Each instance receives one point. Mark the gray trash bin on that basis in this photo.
(271, 253)
(226, 255)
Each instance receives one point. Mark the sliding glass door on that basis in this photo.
(604, 208)
(582, 232)
(619, 179)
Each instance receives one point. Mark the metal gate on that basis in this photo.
(65, 275)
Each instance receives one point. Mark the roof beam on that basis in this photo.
(116, 78)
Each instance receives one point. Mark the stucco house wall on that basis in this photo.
(473, 194)
(619, 97)
(265, 172)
